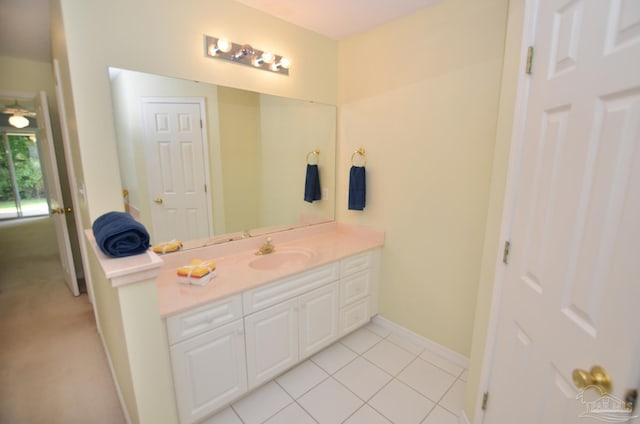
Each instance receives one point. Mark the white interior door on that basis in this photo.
(176, 164)
(73, 182)
(571, 291)
(54, 192)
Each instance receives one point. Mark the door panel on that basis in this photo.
(54, 192)
(571, 286)
(176, 161)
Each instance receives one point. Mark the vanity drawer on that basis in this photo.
(354, 287)
(287, 288)
(354, 316)
(204, 318)
(355, 263)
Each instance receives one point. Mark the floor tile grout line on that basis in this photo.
(308, 390)
(237, 414)
(444, 395)
(307, 412)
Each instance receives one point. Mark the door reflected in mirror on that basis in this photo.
(204, 163)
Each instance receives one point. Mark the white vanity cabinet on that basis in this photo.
(207, 348)
(280, 336)
(222, 349)
(358, 297)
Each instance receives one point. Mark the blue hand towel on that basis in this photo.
(357, 188)
(312, 184)
(119, 235)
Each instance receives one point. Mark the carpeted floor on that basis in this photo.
(52, 365)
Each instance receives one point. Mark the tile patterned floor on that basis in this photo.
(371, 376)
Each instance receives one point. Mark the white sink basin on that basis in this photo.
(282, 258)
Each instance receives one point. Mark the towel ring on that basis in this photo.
(315, 153)
(362, 153)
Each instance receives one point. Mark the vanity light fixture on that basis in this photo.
(244, 54)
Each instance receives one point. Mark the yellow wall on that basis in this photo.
(289, 131)
(111, 330)
(239, 124)
(420, 94)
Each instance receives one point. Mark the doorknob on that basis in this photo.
(159, 200)
(597, 376)
(60, 211)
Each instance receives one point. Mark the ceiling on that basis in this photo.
(24, 24)
(24, 29)
(338, 19)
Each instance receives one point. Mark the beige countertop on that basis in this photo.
(325, 243)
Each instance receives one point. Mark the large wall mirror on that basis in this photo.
(203, 163)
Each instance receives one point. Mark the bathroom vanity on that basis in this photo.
(221, 350)
(262, 315)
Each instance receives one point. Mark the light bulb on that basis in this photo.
(265, 57)
(284, 64)
(224, 45)
(268, 57)
(18, 121)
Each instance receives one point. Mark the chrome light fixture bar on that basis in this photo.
(244, 54)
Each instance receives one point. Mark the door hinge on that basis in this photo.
(485, 400)
(201, 124)
(505, 252)
(205, 188)
(529, 60)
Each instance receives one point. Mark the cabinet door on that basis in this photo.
(318, 319)
(209, 371)
(272, 341)
(354, 287)
(354, 316)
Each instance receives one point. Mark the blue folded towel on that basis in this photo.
(119, 235)
(312, 184)
(357, 188)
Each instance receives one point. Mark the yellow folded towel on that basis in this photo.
(168, 246)
(197, 269)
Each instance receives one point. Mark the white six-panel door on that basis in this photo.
(176, 161)
(54, 192)
(571, 292)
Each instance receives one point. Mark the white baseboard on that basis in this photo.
(462, 418)
(430, 345)
(115, 380)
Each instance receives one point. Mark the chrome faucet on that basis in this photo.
(266, 248)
